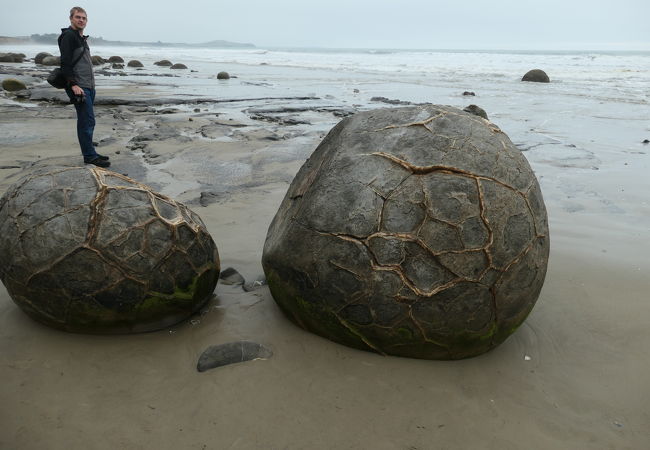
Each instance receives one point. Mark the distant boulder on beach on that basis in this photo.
(135, 63)
(178, 66)
(12, 57)
(223, 76)
(477, 111)
(51, 61)
(38, 59)
(97, 60)
(469, 93)
(115, 59)
(117, 66)
(537, 76)
(164, 63)
(12, 85)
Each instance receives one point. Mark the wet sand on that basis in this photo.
(575, 375)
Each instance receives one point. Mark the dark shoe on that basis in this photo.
(98, 162)
(102, 157)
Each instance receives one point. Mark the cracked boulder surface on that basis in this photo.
(89, 250)
(417, 231)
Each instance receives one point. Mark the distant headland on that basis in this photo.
(51, 39)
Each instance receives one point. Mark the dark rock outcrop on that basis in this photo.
(231, 353)
(231, 276)
(390, 101)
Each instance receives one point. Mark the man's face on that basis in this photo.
(78, 20)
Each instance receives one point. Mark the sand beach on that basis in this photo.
(576, 375)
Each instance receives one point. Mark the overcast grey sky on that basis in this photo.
(432, 24)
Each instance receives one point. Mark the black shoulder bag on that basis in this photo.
(57, 79)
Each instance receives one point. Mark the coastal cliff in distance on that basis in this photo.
(51, 39)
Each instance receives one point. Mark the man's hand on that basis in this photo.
(77, 90)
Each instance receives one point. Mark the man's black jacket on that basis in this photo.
(71, 45)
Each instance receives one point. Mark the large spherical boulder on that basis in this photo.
(223, 76)
(51, 61)
(536, 75)
(11, 84)
(115, 59)
(164, 63)
(178, 66)
(89, 250)
(38, 59)
(417, 231)
(134, 63)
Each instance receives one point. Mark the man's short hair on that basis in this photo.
(77, 9)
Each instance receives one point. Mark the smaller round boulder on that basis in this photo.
(51, 61)
(476, 110)
(115, 59)
(135, 63)
(38, 59)
(97, 60)
(537, 76)
(178, 66)
(223, 76)
(164, 63)
(117, 66)
(89, 250)
(11, 84)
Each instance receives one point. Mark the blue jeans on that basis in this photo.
(85, 123)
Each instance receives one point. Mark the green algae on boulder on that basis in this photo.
(417, 231)
(89, 250)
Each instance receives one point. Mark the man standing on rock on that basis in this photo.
(78, 70)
